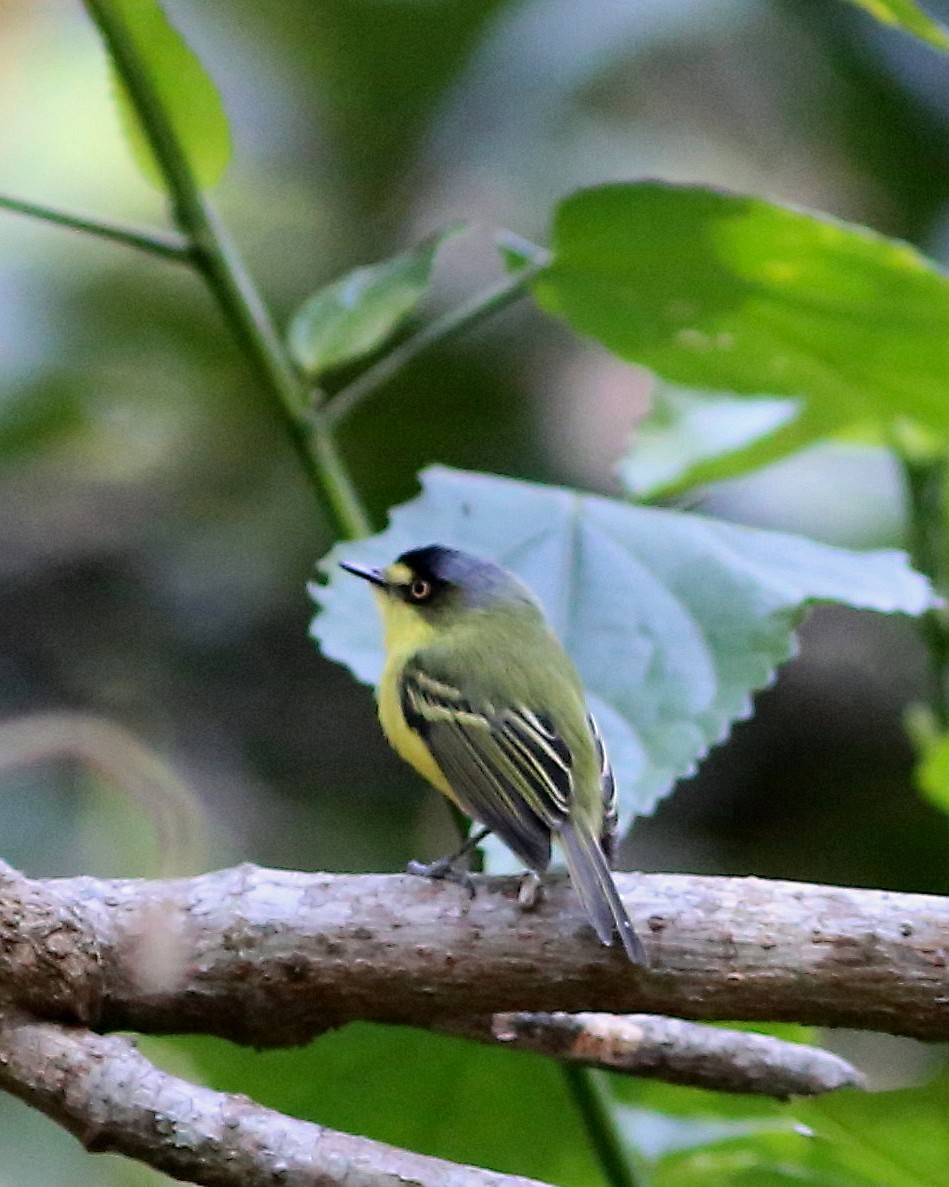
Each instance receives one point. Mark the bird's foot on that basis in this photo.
(530, 891)
(445, 869)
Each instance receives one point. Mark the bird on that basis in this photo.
(478, 695)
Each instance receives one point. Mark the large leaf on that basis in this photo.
(908, 16)
(891, 1139)
(354, 315)
(693, 1138)
(672, 619)
(453, 1099)
(729, 293)
(184, 89)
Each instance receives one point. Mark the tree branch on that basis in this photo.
(668, 1049)
(272, 957)
(113, 1099)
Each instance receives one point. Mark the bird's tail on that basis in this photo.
(594, 884)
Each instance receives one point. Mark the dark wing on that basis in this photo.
(508, 766)
(610, 825)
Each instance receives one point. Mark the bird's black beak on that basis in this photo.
(371, 575)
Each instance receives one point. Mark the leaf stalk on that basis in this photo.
(157, 243)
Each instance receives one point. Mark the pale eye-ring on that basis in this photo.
(420, 590)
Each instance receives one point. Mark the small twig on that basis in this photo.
(157, 243)
(655, 1047)
(113, 1099)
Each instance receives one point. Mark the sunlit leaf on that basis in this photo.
(727, 293)
(356, 314)
(185, 90)
(672, 619)
(932, 770)
(908, 16)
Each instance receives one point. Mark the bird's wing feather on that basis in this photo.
(507, 765)
(610, 826)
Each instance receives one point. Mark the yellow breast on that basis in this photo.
(405, 633)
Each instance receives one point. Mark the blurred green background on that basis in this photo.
(156, 534)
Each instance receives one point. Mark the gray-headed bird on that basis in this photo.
(478, 694)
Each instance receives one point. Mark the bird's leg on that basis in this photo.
(448, 868)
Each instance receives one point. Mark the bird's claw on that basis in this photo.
(443, 870)
(530, 891)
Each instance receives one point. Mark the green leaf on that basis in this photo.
(356, 314)
(452, 1099)
(722, 292)
(891, 1139)
(700, 1104)
(694, 1137)
(909, 17)
(741, 1168)
(672, 619)
(183, 87)
(684, 428)
(697, 1138)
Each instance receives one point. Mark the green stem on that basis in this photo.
(347, 507)
(925, 480)
(595, 1107)
(229, 282)
(450, 325)
(156, 243)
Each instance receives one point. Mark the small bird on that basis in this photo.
(479, 696)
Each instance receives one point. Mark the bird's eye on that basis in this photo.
(420, 590)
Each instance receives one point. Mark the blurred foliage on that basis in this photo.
(157, 534)
(905, 14)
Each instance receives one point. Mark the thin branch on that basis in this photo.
(653, 1047)
(113, 1099)
(272, 957)
(156, 243)
(228, 280)
(450, 325)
